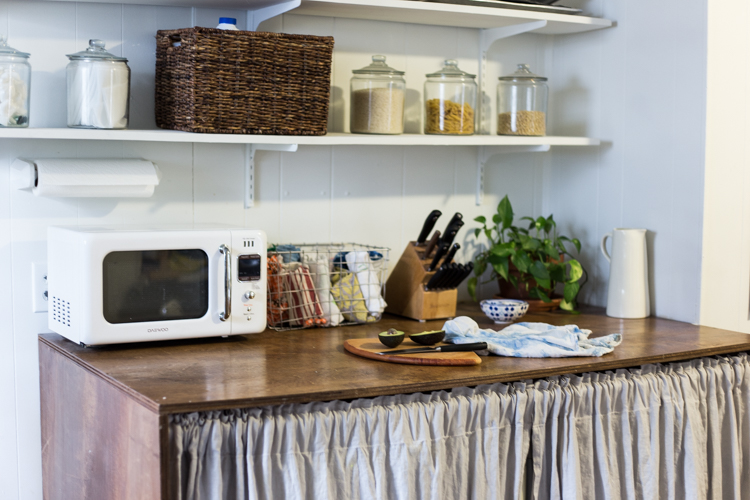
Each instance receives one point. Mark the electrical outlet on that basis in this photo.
(39, 299)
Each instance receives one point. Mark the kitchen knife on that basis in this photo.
(436, 278)
(475, 346)
(429, 223)
(451, 270)
(442, 248)
(452, 229)
(452, 253)
(455, 271)
(468, 268)
(431, 245)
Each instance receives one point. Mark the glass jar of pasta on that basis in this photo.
(450, 100)
(522, 103)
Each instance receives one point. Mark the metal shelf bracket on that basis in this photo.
(486, 152)
(487, 38)
(257, 16)
(250, 150)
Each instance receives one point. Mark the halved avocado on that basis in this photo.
(428, 338)
(391, 338)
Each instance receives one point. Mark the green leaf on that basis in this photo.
(488, 234)
(556, 272)
(551, 251)
(521, 260)
(505, 211)
(502, 268)
(538, 271)
(571, 291)
(472, 287)
(549, 224)
(541, 222)
(513, 281)
(576, 270)
(531, 244)
(577, 244)
(503, 250)
(477, 232)
(537, 293)
(481, 219)
(568, 306)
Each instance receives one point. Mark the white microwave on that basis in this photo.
(109, 285)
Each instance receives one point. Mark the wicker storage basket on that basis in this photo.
(242, 82)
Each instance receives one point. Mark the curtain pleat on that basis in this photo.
(676, 431)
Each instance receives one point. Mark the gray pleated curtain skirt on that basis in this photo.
(676, 431)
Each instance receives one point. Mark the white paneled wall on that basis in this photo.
(649, 174)
(642, 88)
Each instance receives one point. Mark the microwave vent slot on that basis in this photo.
(61, 311)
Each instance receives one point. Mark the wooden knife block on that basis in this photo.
(405, 291)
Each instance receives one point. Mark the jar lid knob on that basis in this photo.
(378, 59)
(3, 41)
(451, 62)
(95, 44)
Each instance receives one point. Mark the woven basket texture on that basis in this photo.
(242, 82)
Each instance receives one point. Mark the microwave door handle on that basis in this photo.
(227, 283)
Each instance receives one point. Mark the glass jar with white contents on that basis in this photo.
(98, 89)
(377, 99)
(15, 86)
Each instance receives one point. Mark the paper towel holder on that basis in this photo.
(97, 177)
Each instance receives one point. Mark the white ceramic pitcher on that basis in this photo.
(627, 295)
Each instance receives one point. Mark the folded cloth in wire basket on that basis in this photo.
(531, 340)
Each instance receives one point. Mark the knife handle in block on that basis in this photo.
(431, 245)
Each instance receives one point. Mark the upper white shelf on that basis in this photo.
(333, 139)
(403, 11)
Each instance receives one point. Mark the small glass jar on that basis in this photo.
(98, 89)
(522, 103)
(15, 86)
(450, 100)
(377, 99)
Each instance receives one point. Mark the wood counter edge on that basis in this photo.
(402, 388)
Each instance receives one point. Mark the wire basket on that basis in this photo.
(325, 285)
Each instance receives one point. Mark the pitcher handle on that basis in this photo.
(604, 246)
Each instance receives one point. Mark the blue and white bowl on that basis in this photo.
(504, 310)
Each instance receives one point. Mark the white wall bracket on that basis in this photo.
(487, 37)
(484, 154)
(257, 16)
(250, 150)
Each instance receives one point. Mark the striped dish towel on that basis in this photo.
(304, 306)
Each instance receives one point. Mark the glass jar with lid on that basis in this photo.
(522, 103)
(377, 99)
(450, 100)
(98, 88)
(15, 86)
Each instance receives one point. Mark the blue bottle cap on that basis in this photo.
(227, 20)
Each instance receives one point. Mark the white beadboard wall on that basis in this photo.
(641, 87)
(602, 82)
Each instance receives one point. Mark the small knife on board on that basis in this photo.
(475, 346)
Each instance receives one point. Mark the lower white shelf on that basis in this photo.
(333, 139)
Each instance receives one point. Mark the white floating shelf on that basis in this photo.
(440, 14)
(334, 139)
(403, 11)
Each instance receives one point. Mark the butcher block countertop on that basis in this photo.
(311, 365)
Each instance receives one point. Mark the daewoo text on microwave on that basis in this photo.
(109, 285)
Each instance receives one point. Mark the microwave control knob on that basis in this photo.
(249, 295)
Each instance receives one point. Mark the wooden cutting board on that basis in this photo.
(368, 348)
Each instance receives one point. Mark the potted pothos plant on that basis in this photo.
(528, 262)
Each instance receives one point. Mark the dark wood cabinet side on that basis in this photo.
(97, 442)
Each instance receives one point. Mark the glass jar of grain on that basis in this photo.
(450, 97)
(377, 99)
(522, 103)
(15, 82)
